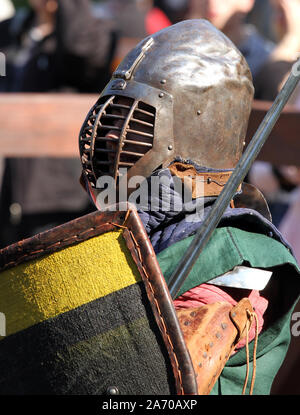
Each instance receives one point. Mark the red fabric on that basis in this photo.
(156, 20)
(207, 294)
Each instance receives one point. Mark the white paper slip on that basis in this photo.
(243, 277)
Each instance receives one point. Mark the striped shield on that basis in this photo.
(87, 311)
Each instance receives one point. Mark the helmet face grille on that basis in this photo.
(117, 133)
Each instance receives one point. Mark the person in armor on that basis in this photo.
(174, 116)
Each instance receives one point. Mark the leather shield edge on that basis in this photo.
(161, 302)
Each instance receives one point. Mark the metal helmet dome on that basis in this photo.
(185, 91)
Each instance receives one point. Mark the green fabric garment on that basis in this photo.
(229, 247)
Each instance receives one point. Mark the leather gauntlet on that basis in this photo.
(211, 333)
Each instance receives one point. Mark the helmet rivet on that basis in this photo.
(163, 81)
(209, 180)
(199, 112)
(244, 143)
(112, 390)
(170, 147)
(161, 94)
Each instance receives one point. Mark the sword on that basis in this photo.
(213, 218)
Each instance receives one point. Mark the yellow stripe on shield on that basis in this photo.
(56, 283)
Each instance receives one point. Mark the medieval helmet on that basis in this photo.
(185, 91)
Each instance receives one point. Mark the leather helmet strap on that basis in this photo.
(212, 183)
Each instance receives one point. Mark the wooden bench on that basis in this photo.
(39, 125)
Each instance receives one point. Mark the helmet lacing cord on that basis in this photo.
(251, 315)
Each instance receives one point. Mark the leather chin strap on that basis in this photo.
(201, 184)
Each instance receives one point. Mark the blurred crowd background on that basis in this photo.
(74, 46)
